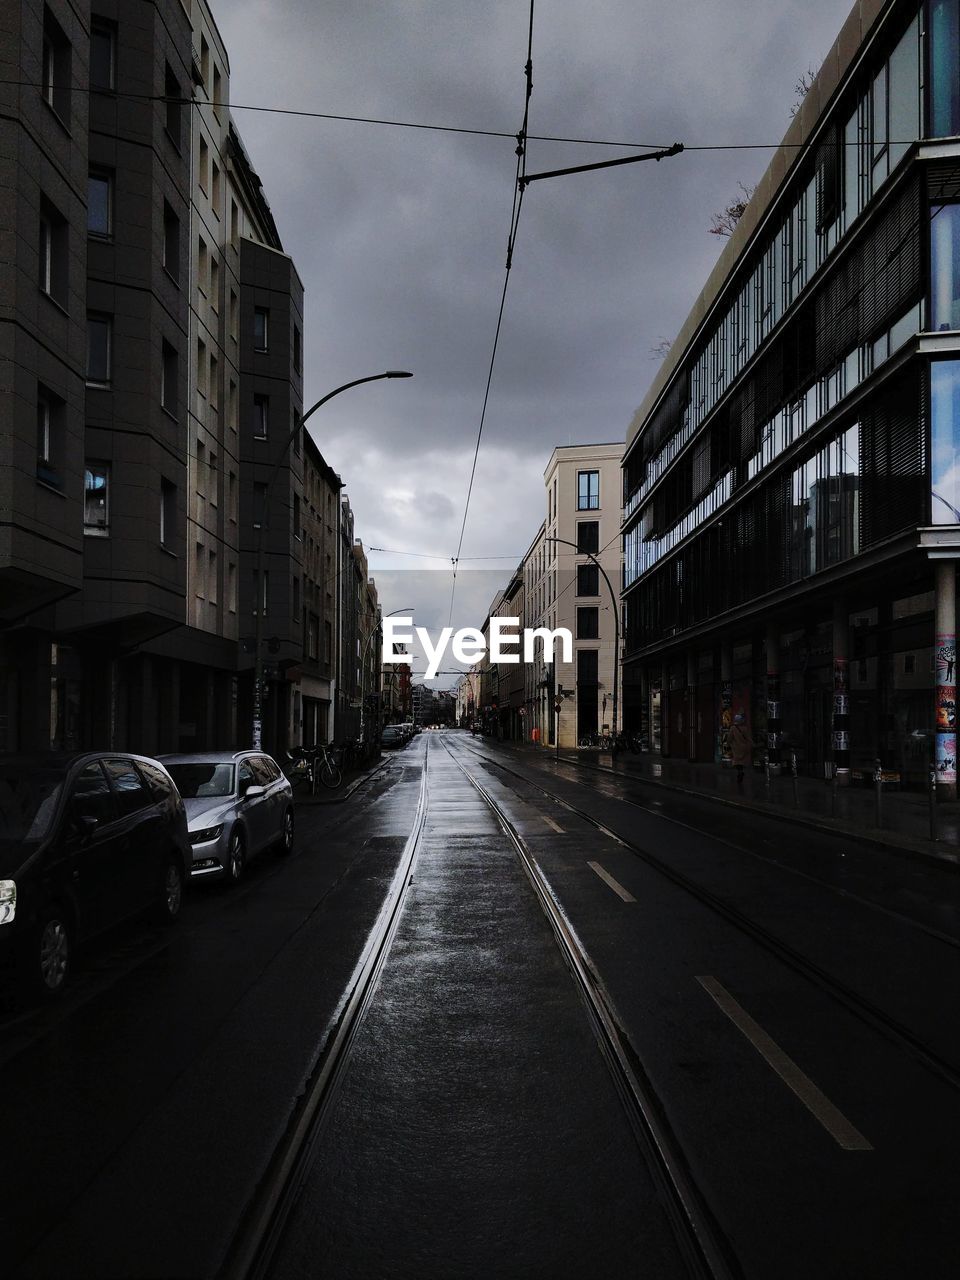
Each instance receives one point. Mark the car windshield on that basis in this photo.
(28, 801)
(197, 779)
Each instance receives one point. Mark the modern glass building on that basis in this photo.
(792, 479)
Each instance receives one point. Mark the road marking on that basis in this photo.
(816, 1102)
(553, 825)
(607, 878)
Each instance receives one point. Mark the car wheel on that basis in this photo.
(236, 856)
(48, 956)
(286, 839)
(170, 898)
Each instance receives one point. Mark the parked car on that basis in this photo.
(393, 736)
(86, 840)
(238, 804)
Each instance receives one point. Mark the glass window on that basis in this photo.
(168, 512)
(99, 221)
(944, 60)
(588, 536)
(174, 106)
(102, 55)
(169, 375)
(196, 779)
(904, 93)
(156, 779)
(588, 490)
(587, 666)
(55, 66)
(91, 796)
(53, 245)
(261, 416)
(96, 500)
(99, 344)
(260, 320)
(128, 789)
(588, 580)
(171, 241)
(588, 623)
(945, 429)
(945, 267)
(44, 431)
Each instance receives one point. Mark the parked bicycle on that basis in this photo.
(312, 767)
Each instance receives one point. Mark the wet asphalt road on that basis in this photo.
(476, 1131)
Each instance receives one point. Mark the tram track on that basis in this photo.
(847, 895)
(263, 1220)
(864, 1009)
(700, 1239)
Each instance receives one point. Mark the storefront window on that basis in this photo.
(945, 430)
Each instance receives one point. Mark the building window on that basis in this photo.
(313, 637)
(233, 403)
(295, 609)
(297, 529)
(99, 203)
(168, 512)
(945, 433)
(232, 497)
(588, 623)
(944, 57)
(204, 165)
(174, 107)
(201, 473)
(234, 223)
(202, 265)
(54, 252)
(96, 500)
(232, 587)
(234, 315)
(588, 490)
(259, 503)
(169, 378)
(55, 70)
(217, 90)
(99, 348)
(171, 242)
(945, 267)
(587, 668)
(260, 321)
(50, 414)
(202, 367)
(261, 416)
(215, 187)
(214, 383)
(261, 591)
(588, 580)
(204, 60)
(213, 591)
(588, 537)
(103, 55)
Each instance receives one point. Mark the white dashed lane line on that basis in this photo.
(607, 878)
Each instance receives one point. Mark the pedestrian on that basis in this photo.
(741, 745)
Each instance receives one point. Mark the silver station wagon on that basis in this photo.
(238, 804)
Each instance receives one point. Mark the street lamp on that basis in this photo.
(363, 665)
(260, 601)
(616, 633)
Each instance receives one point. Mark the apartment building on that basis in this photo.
(152, 345)
(316, 520)
(792, 514)
(566, 565)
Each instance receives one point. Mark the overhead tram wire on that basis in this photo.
(518, 186)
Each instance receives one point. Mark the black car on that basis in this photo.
(86, 840)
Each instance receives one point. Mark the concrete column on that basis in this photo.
(840, 722)
(946, 690)
(725, 705)
(773, 696)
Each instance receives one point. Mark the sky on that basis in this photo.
(400, 235)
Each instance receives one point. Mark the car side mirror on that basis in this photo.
(254, 791)
(86, 824)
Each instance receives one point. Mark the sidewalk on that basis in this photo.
(852, 810)
(353, 779)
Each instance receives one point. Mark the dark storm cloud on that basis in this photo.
(400, 235)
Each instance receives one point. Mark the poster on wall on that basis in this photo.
(946, 659)
(726, 722)
(946, 757)
(946, 707)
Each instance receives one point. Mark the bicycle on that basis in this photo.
(310, 766)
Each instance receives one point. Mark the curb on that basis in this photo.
(342, 796)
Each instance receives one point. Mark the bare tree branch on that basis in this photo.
(723, 223)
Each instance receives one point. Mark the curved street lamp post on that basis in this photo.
(264, 520)
(616, 634)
